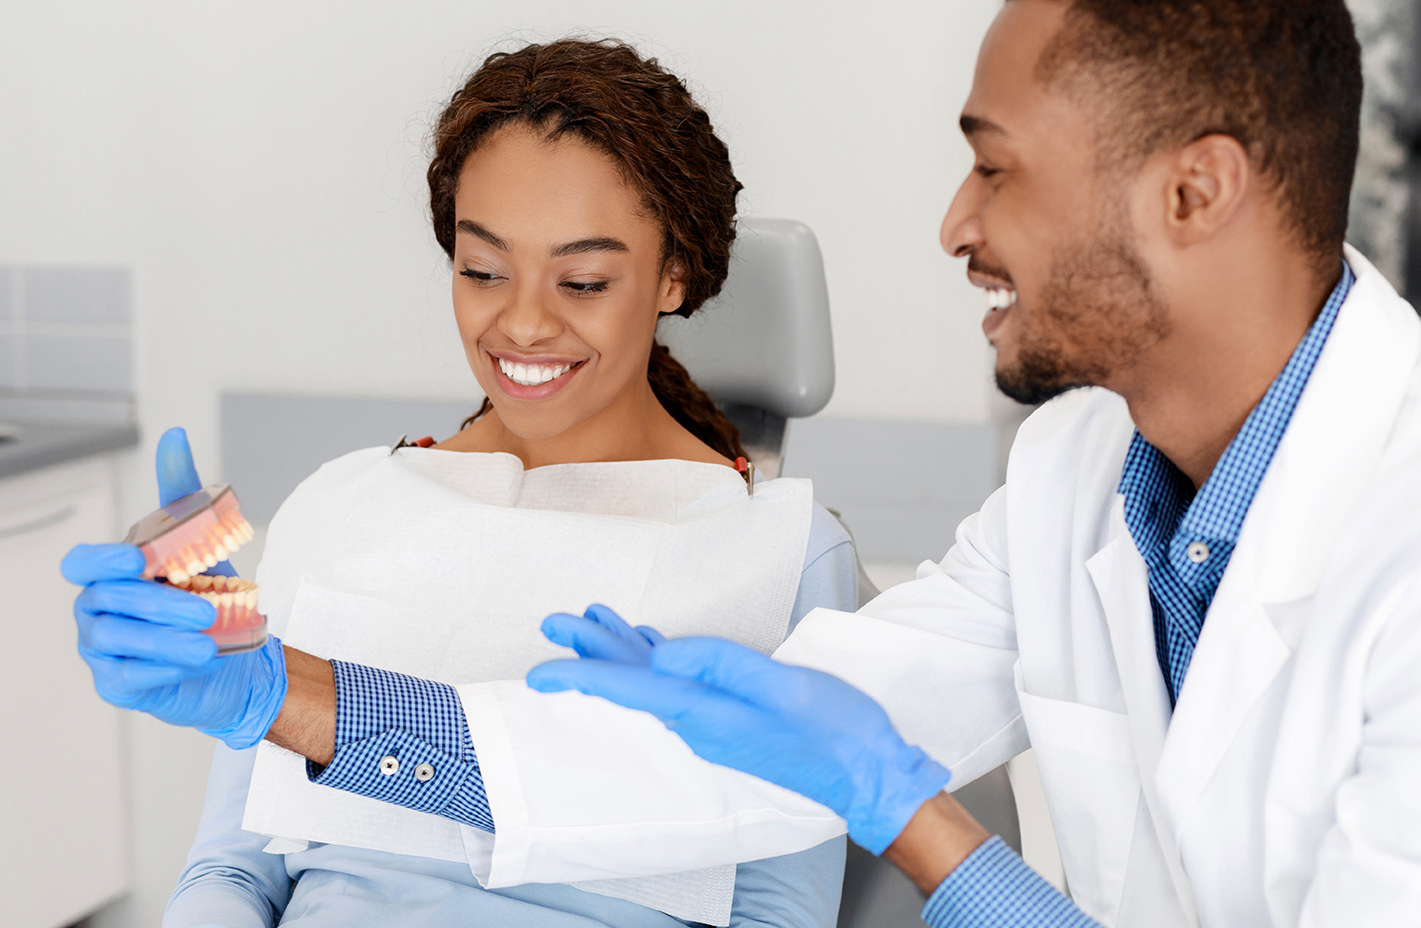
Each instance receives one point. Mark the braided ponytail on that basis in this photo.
(690, 405)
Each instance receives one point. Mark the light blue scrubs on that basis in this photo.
(229, 881)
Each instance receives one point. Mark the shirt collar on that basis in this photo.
(1219, 509)
(1217, 512)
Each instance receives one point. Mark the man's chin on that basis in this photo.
(1032, 387)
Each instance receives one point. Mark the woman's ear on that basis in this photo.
(673, 289)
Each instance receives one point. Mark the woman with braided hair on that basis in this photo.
(581, 194)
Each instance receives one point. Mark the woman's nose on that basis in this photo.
(527, 319)
(962, 226)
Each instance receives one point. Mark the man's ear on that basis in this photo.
(1208, 181)
(673, 289)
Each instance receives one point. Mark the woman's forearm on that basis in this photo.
(307, 722)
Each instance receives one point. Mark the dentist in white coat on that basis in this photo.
(1197, 597)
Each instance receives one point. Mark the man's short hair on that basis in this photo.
(1283, 77)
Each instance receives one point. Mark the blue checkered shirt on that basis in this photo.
(1186, 540)
(404, 740)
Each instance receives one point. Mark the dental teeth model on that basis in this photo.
(531, 375)
(239, 627)
(192, 534)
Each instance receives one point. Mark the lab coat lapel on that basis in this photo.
(1122, 581)
(1335, 437)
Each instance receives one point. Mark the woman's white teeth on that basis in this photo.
(530, 375)
(999, 297)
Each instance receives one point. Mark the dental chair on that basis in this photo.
(762, 349)
(764, 352)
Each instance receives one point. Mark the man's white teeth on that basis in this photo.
(530, 375)
(999, 297)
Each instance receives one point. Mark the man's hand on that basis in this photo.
(602, 634)
(804, 730)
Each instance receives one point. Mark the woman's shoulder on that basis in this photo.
(830, 574)
(307, 518)
(333, 476)
(338, 470)
(826, 533)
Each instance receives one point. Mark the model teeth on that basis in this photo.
(231, 532)
(531, 375)
(999, 297)
(234, 599)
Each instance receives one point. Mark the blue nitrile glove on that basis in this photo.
(802, 729)
(143, 641)
(177, 477)
(144, 644)
(601, 633)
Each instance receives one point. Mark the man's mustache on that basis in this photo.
(977, 265)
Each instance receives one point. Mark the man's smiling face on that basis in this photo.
(1049, 233)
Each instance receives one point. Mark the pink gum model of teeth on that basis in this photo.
(239, 627)
(191, 534)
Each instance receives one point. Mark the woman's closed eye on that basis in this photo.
(479, 277)
(586, 286)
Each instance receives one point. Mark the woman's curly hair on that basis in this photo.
(605, 94)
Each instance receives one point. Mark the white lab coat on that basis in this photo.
(1285, 788)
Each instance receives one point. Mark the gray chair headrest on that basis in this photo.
(765, 341)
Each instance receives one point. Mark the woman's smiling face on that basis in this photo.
(558, 281)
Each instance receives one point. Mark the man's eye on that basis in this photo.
(585, 286)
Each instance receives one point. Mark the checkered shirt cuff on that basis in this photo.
(994, 887)
(404, 740)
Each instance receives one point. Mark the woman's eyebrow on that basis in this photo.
(579, 247)
(473, 228)
(583, 246)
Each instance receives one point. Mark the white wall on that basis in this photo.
(259, 167)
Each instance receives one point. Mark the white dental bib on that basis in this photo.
(442, 565)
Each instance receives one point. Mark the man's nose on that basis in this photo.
(962, 226)
(527, 319)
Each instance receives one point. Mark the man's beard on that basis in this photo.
(1097, 315)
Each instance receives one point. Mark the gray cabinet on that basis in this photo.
(63, 789)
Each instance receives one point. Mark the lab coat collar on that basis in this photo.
(1333, 442)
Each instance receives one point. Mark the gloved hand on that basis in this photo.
(601, 633)
(177, 477)
(143, 641)
(802, 729)
(144, 644)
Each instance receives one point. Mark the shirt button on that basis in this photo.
(424, 773)
(1198, 552)
(389, 764)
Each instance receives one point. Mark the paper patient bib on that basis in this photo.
(442, 565)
